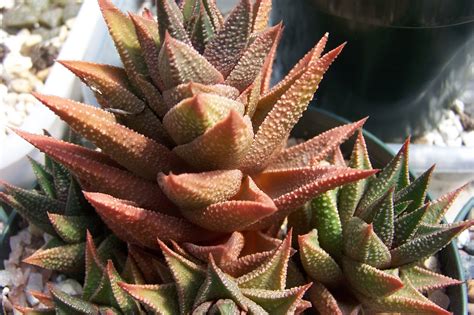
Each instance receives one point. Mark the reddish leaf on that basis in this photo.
(220, 147)
(292, 188)
(315, 149)
(99, 173)
(247, 207)
(191, 191)
(285, 114)
(140, 226)
(134, 151)
(225, 49)
(180, 63)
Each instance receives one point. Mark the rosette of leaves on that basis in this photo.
(365, 242)
(248, 273)
(191, 137)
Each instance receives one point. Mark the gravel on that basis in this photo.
(32, 34)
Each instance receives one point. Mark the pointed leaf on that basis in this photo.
(193, 116)
(426, 280)
(267, 102)
(384, 219)
(350, 194)
(31, 205)
(272, 274)
(438, 208)
(261, 15)
(94, 269)
(221, 147)
(387, 178)
(277, 302)
(134, 151)
(407, 225)
(317, 148)
(405, 300)
(66, 304)
(150, 43)
(121, 299)
(225, 49)
(325, 219)
(218, 285)
(248, 206)
(66, 258)
(158, 298)
(140, 226)
(426, 245)
(99, 173)
(363, 245)
(191, 191)
(44, 178)
(252, 60)
(292, 188)
(416, 191)
(112, 90)
(188, 277)
(170, 20)
(318, 264)
(180, 63)
(286, 113)
(72, 229)
(125, 39)
(370, 281)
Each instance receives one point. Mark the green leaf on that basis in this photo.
(363, 245)
(387, 178)
(72, 229)
(407, 225)
(161, 299)
(94, 269)
(44, 178)
(66, 304)
(426, 245)
(426, 280)
(188, 277)
(318, 264)
(66, 258)
(326, 220)
(32, 206)
(415, 192)
(219, 285)
(370, 281)
(384, 219)
(405, 300)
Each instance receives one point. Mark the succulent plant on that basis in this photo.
(182, 206)
(364, 243)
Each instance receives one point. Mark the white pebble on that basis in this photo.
(35, 283)
(458, 106)
(21, 86)
(7, 4)
(70, 286)
(15, 63)
(468, 138)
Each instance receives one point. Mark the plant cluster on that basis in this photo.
(191, 202)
